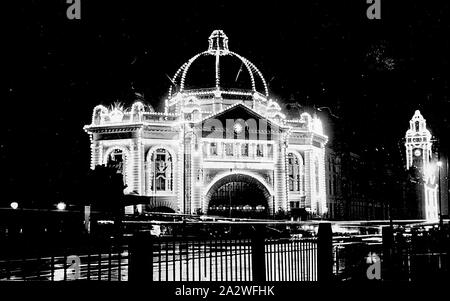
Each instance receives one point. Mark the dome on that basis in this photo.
(220, 69)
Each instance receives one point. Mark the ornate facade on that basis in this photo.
(222, 144)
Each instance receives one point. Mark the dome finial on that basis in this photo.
(218, 41)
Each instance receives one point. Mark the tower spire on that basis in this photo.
(218, 42)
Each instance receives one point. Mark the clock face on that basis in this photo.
(417, 152)
(237, 128)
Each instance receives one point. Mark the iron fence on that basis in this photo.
(90, 262)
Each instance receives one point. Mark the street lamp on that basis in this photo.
(439, 165)
(14, 205)
(61, 206)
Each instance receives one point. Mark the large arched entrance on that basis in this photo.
(238, 195)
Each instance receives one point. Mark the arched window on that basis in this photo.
(117, 159)
(295, 173)
(161, 171)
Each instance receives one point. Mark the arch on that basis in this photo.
(225, 177)
(155, 147)
(126, 153)
(115, 147)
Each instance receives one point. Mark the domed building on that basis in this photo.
(222, 146)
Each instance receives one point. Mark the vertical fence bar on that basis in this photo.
(166, 260)
(240, 258)
(210, 278)
(174, 259)
(269, 260)
(291, 265)
(205, 261)
(245, 259)
(276, 260)
(280, 245)
(325, 253)
(226, 260)
(235, 260)
(193, 259)
(308, 261)
(159, 245)
(215, 259)
(180, 251)
(304, 257)
(288, 262)
(199, 260)
(221, 260)
(141, 258)
(187, 260)
(258, 260)
(297, 263)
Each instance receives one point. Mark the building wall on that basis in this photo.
(194, 171)
(356, 189)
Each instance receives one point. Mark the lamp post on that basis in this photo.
(439, 164)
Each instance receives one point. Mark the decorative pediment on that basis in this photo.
(234, 119)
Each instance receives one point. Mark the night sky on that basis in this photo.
(373, 74)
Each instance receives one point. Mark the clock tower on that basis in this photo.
(418, 143)
(419, 154)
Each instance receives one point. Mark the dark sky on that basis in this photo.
(373, 74)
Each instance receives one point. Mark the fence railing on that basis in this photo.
(291, 259)
(416, 255)
(90, 262)
(351, 259)
(247, 253)
(247, 258)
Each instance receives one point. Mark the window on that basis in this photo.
(270, 150)
(213, 149)
(116, 159)
(295, 175)
(244, 149)
(259, 150)
(229, 149)
(161, 171)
